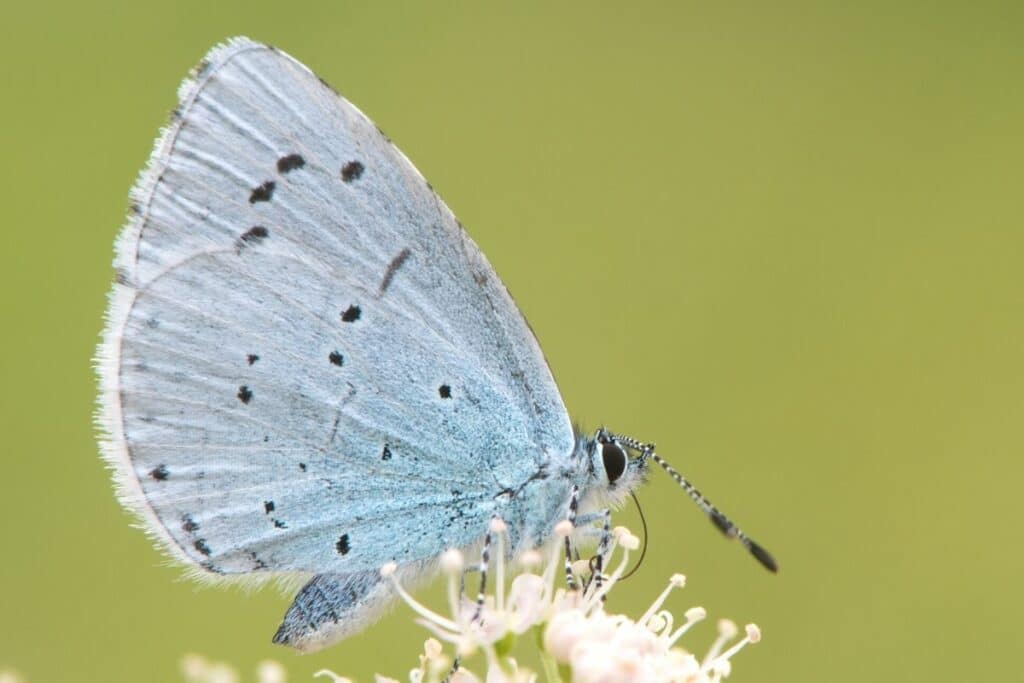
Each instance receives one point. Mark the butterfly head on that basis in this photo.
(616, 471)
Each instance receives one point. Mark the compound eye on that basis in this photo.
(614, 461)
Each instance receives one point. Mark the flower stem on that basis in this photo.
(550, 668)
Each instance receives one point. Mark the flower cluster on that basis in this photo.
(578, 640)
(197, 669)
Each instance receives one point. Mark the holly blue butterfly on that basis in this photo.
(309, 369)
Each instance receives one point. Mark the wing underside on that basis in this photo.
(308, 366)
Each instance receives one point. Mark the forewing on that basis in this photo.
(308, 365)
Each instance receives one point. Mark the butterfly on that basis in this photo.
(308, 367)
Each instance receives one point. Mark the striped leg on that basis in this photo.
(574, 503)
(485, 557)
(456, 663)
(597, 563)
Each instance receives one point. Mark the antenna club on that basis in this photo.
(763, 556)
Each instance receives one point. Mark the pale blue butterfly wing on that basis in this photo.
(308, 365)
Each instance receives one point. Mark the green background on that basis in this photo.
(783, 240)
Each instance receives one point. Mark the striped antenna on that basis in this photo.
(721, 522)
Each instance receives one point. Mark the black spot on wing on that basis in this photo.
(189, 525)
(397, 262)
(351, 314)
(342, 545)
(353, 170)
(244, 394)
(263, 193)
(201, 545)
(302, 466)
(253, 235)
(257, 563)
(279, 524)
(335, 358)
(290, 163)
(252, 358)
(386, 454)
(444, 391)
(160, 473)
(268, 506)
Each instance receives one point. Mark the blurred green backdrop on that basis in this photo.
(783, 240)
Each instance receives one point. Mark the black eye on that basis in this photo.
(614, 461)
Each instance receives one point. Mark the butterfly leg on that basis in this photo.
(456, 663)
(485, 556)
(574, 504)
(603, 534)
(600, 558)
(583, 523)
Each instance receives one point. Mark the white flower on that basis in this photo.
(197, 669)
(577, 634)
(270, 671)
